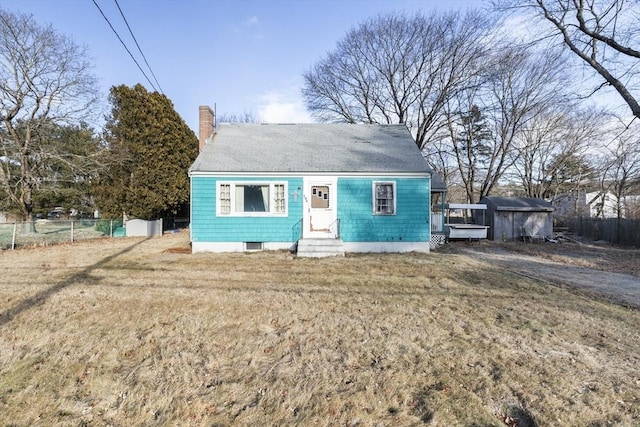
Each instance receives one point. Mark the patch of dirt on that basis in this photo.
(592, 255)
(593, 267)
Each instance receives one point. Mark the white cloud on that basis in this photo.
(284, 106)
(251, 21)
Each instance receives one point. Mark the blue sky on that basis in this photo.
(241, 56)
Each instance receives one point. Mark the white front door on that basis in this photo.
(320, 210)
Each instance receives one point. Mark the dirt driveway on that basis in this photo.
(594, 269)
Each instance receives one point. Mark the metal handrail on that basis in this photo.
(296, 230)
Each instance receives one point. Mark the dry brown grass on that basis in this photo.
(590, 255)
(134, 332)
(597, 256)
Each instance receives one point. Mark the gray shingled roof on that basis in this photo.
(522, 204)
(312, 148)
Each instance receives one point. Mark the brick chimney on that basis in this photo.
(207, 125)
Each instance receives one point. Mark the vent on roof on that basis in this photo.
(362, 140)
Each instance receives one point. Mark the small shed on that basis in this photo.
(141, 228)
(515, 218)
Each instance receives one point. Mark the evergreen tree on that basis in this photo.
(570, 173)
(471, 136)
(150, 150)
(66, 178)
(474, 136)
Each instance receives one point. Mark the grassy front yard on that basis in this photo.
(136, 332)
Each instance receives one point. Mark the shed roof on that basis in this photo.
(520, 204)
(313, 148)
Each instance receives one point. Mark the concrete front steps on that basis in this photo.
(317, 248)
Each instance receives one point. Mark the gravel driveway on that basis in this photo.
(620, 288)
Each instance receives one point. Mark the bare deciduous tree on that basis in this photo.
(621, 172)
(551, 141)
(45, 79)
(398, 69)
(245, 117)
(602, 33)
(514, 87)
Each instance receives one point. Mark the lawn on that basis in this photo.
(137, 332)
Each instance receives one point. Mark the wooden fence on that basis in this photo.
(624, 232)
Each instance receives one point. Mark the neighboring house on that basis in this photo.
(513, 218)
(339, 187)
(594, 204)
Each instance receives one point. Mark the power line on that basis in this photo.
(139, 49)
(123, 44)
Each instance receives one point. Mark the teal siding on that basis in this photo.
(359, 224)
(355, 211)
(207, 227)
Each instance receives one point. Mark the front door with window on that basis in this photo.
(320, 211)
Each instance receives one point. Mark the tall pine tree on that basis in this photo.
(471, 146)
(150, 150)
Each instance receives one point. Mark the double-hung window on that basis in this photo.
(252, 198)
(384, 198)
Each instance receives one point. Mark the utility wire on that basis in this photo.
(139, 49)
(123, 44)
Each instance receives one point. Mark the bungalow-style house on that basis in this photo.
(321, 188)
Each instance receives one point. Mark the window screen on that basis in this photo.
(384, 198)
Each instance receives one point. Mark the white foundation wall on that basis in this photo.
(382, 247)
(359, 247)
(237, 246)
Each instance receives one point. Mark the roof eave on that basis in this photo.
(524, 208)
(422, 174)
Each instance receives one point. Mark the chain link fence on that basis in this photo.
(49, 232)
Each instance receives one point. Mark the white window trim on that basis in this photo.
(272, 199)
(373, 197)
